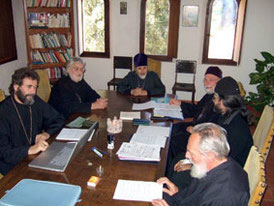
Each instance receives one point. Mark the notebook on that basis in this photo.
(30, 192)
(59, 154)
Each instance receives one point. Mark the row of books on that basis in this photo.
(51, 40)
(61, 56)
(56, 72)
(47, 20)
(48, 3)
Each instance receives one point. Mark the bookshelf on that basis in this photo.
(50, 40)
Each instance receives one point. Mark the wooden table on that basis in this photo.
(79, 170)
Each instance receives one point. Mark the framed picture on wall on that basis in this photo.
(190, 16)
(123, 8)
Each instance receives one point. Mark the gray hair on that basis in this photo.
(75, 60)
(213, 139)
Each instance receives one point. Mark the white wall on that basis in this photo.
(6, 70)
(124, 40)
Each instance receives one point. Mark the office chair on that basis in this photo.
(187, 67)
(154, 65)
(119, 62)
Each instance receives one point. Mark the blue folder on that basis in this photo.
(30, 192)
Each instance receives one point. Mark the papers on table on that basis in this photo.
(130, 115)
(73, 134)
(139, 152)
(161, 110)
(151, 139)
(155, 130)
(138, 190)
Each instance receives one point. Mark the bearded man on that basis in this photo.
(217, 178)
(26, 121)
(72, 94)
(141, 82)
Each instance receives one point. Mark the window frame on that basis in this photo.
(173, 33)
(83, 53)
(239, 33)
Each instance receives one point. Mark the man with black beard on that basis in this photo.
(217, 178)
(141, 82)
(26, 121)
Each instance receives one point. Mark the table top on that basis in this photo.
(85, 163)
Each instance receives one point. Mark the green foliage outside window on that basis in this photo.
(156, 27)
(94, 26)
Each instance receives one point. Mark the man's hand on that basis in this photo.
(42, 136)
(175, 101)
(171, 188)
(100, 104)
(39, 146)
(179, 167)
(189, 129)
(138, 92)
(159, 202)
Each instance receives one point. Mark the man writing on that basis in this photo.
(71, 94)
(141, 82)
(26, 121)
(217, 179)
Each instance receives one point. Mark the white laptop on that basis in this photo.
(59, 154)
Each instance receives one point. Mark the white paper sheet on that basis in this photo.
(159, 141)
(130, 115)
(138, 190)
(176, 114)
(71, 134)
(153, 105)
(139, 152)
(153, 130)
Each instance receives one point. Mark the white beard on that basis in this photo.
(198, 171)
(142, 76)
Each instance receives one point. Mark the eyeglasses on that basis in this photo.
(78, 69)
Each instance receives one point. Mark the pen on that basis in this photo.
(94, 149)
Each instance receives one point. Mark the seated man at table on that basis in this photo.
(26, 121)
(71, 94)
(141, 82)
(217, 179)
(200, 112)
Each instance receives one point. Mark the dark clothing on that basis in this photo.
(69, 97)
(224, 185)
(14, 145)
(152, 84)
(238, 136)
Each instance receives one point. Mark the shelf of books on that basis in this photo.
(49, 35)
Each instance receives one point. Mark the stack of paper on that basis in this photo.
(130, 115)
(145, 145)
(161, 109)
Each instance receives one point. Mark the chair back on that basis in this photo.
(119, 62)
(155, 66)
(44, 88)
(264, 131)
(2, 95)
(255, 169)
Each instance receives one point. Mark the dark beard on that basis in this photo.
(217, 109)
(23, 98)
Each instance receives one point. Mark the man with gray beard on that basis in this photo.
(141, 82)
(217, 179)
(26, 121)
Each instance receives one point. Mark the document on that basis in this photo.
(139, 152)
(155, 130)
(130, 115)
(151, 139)
(138, 190)
(155, 105)
(173, 114)
(71, 134)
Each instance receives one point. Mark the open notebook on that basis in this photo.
(59, 154)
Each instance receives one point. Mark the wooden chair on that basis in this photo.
(44, 88)
(154, 65)
(2, 95)
(119, 62)
(185, 67)
(255, 169)
(264, 131)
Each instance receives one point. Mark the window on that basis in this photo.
(159, 28)
(93, 22)
(224, 31)
(8, 50)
